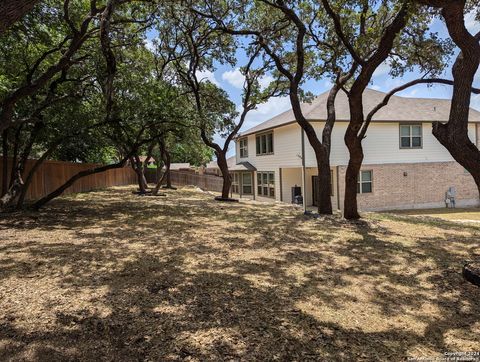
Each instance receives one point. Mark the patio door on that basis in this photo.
(247, 187)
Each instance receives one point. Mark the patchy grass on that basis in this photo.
(112, 276)
(464, 215)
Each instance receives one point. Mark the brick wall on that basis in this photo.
(424, 185)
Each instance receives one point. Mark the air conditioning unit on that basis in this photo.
(297, 197)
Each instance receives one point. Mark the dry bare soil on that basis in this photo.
(112, 276)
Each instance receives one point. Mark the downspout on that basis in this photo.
(304, 174)
(338, 188)
(281, 186)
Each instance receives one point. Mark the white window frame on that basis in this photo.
(266, 189)
(235, 183)
(260, 151)
(410, 136)
(243, 147)
(250, 176)
(360, 182)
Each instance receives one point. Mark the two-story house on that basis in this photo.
(404, 165)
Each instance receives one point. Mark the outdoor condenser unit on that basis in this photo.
(297, 195)
(450, 196)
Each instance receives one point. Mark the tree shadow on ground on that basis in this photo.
(108, 276)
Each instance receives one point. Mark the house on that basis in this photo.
(212, 167)
(180, 167)
(151, 160)
(404, 165)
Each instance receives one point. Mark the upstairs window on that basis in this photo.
(410, 136)
(243, 143)
(264, 143)
(365, 183)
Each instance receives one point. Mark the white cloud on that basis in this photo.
(475, 102)
(382, 69)
(237, 79)
(472, 25)
(205, 75)
(265, 81)
(265, 111)
(376, 87)
(234, 77)
(149, 44)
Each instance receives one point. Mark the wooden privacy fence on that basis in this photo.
(205, 182)
(185, 178)
(52, 174)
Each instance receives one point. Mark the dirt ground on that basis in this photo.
(110, 276)
(463, 215)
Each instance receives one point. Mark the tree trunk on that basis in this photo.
(13, 10)
(31, 173)
(355, 149)
(159, 182)
(138, 168)
(454, 134)
(227, 178)
(40, 203)
(17, 186)
(324, 195)
(167, 170)
(4, 163)
(350, 206)
(165, 155)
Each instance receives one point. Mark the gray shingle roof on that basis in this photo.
(231, 161)
(399, 109)
(243, 166)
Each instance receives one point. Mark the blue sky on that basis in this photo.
(230, 79)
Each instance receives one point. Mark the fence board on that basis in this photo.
(185, 178)
(52, 174)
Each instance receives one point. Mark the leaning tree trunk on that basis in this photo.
(227, 178)
(40, 203)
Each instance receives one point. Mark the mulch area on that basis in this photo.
(110, 276)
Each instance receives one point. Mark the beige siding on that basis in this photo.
(286, 147)
(382, 145)
(290, 178)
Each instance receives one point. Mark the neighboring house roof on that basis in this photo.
(178, 166)
(231, 161)
(242, 166)
(399, 109)
(144, 158)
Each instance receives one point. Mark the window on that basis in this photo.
(266, 184)
(243, 147)
(264, 143)
(365, 184)
(410, 136)
(235, 187)
(247, 183)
